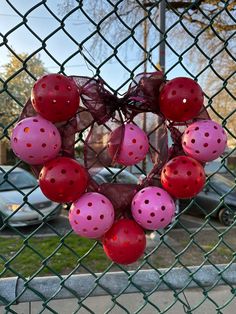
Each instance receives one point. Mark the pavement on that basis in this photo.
(130, 303)
(61, 226)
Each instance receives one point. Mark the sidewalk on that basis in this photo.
(132, 302)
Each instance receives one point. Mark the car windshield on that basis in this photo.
(123, 177)
(17, 180)
(222, 183)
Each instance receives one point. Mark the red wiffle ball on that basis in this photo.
(63, 180)
(183, 177)
(55, 97)
(125, 242)
(181, 99)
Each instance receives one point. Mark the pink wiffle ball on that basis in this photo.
(92, 215)
(132, 143)
(153, 208)
(35, 140)
(204, 140)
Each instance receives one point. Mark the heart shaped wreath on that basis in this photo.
(117, 214)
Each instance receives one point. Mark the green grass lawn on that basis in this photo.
(50, 255)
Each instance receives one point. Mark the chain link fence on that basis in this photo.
(115, 40)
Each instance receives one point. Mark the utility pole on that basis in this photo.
(145, 44)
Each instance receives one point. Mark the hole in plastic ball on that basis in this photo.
(76, 222)
(52, 180)
(146, 201)
(158, 194)
(215, 127)
(63, 171)
(103, 202)
(197, 151)
(197, 128)
(43, 85)
(78, 211)
(205, 144)
(189, 173)
(134, 140)
(176, 172)
(206, 134)
(26, 130)
(56, 87)
(152, 214)
(44, 145)
(89, 217)
(162, 219)
(219, 140)
(35, 120)
(163, 207)
(173, 92)
(90, 204)
(149, 221)
(71, 182)
(29, 145)
(42, 130)
(193, 140)
(101, 216)
(95, 228)
(141, 147)
(140, 211)
(130, 153)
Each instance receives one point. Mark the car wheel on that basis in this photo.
(226, 216)
(1, 221)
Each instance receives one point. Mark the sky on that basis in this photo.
(60, 47)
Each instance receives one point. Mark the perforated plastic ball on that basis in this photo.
(153, 208)
(92, 215)
(133, 143)
(204, 140)
(125, 242)
(35, 140)
(63, 180)
(181, 99)
(183, 177)
(55, 97)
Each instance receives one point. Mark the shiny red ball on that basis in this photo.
(181, 99)
(55, 97)
(125, 242)
(63, 180)
(183, 177)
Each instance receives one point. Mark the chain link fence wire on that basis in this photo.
(115, 40)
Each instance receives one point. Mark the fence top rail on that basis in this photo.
(99, 284)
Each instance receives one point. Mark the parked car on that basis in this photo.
(22, 200)
(114, 175)
(211, 201)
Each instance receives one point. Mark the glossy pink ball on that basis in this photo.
(92, 215)
(35, 140)
(133, 147)
(204, 140)
(153, 208)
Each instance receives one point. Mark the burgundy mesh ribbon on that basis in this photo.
(101, 110)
